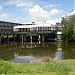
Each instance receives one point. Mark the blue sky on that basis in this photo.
(26, 11)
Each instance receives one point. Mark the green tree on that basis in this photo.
(68, 30)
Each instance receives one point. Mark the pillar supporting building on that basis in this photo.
(43, 38)
(31, 38)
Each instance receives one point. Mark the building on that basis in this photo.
(6, 28)
(44, 31)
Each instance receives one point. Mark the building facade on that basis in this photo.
(44, 31)
(6, 28)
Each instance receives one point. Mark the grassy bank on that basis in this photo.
(55, 67)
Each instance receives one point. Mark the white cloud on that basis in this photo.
(58, 20)
(4, 16)
(38, 13)
(52, 5)
(18, 3)
(71, 13)
(53, 21)
(29, 4)
(1, 8)
(55, 11)
(21, 5)
(14, 1)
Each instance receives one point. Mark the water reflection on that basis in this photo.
(6, 53)
(22, 59)
(30, 52)
(58, 54)
(22, 46)
(30, 46)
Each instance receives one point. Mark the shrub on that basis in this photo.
(5, 67)
(55, 67)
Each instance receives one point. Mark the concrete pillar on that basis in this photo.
(8, 38)
(31, 38)
(20, 38)
(24, 38)
(39, 39)
(0, 39)
(59, 35)
(43, 38)
(14, 37)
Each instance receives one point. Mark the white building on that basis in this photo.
(36, 27)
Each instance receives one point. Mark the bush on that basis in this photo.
(58, 67)
(55, 67)
(5, 67)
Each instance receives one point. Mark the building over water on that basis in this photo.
(44, 31)
(29, 32)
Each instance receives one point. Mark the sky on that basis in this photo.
(39, 11)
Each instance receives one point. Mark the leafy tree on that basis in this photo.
(68, 30)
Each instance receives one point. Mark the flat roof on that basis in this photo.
(31, 26)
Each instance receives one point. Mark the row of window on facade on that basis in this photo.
(37, 29)
(5, 31)
(9, 23)
(6, 26)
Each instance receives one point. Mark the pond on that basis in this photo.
(26, 52)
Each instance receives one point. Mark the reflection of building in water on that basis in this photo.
(69, 50)
(59, 53)
(27, 53)
(6, 53)
(22, 58)
(42, 50)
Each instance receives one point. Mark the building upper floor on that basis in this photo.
(9, 27)
(36, 27)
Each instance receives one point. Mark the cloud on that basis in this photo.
(71, 13)
(4, 16)
(53, 21)
(38, 13)
(18, 3)
(14, 1)
(53, 5)
(55, 11)
(1, 8)
(21, 3)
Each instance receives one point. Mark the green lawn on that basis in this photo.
(53, 67)
(51, 73)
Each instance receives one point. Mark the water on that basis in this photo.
(27, 52)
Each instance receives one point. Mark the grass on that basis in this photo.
(53, 67)
(51, 73)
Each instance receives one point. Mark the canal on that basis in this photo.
(26, 52)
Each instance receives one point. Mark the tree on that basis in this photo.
(68, 30)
